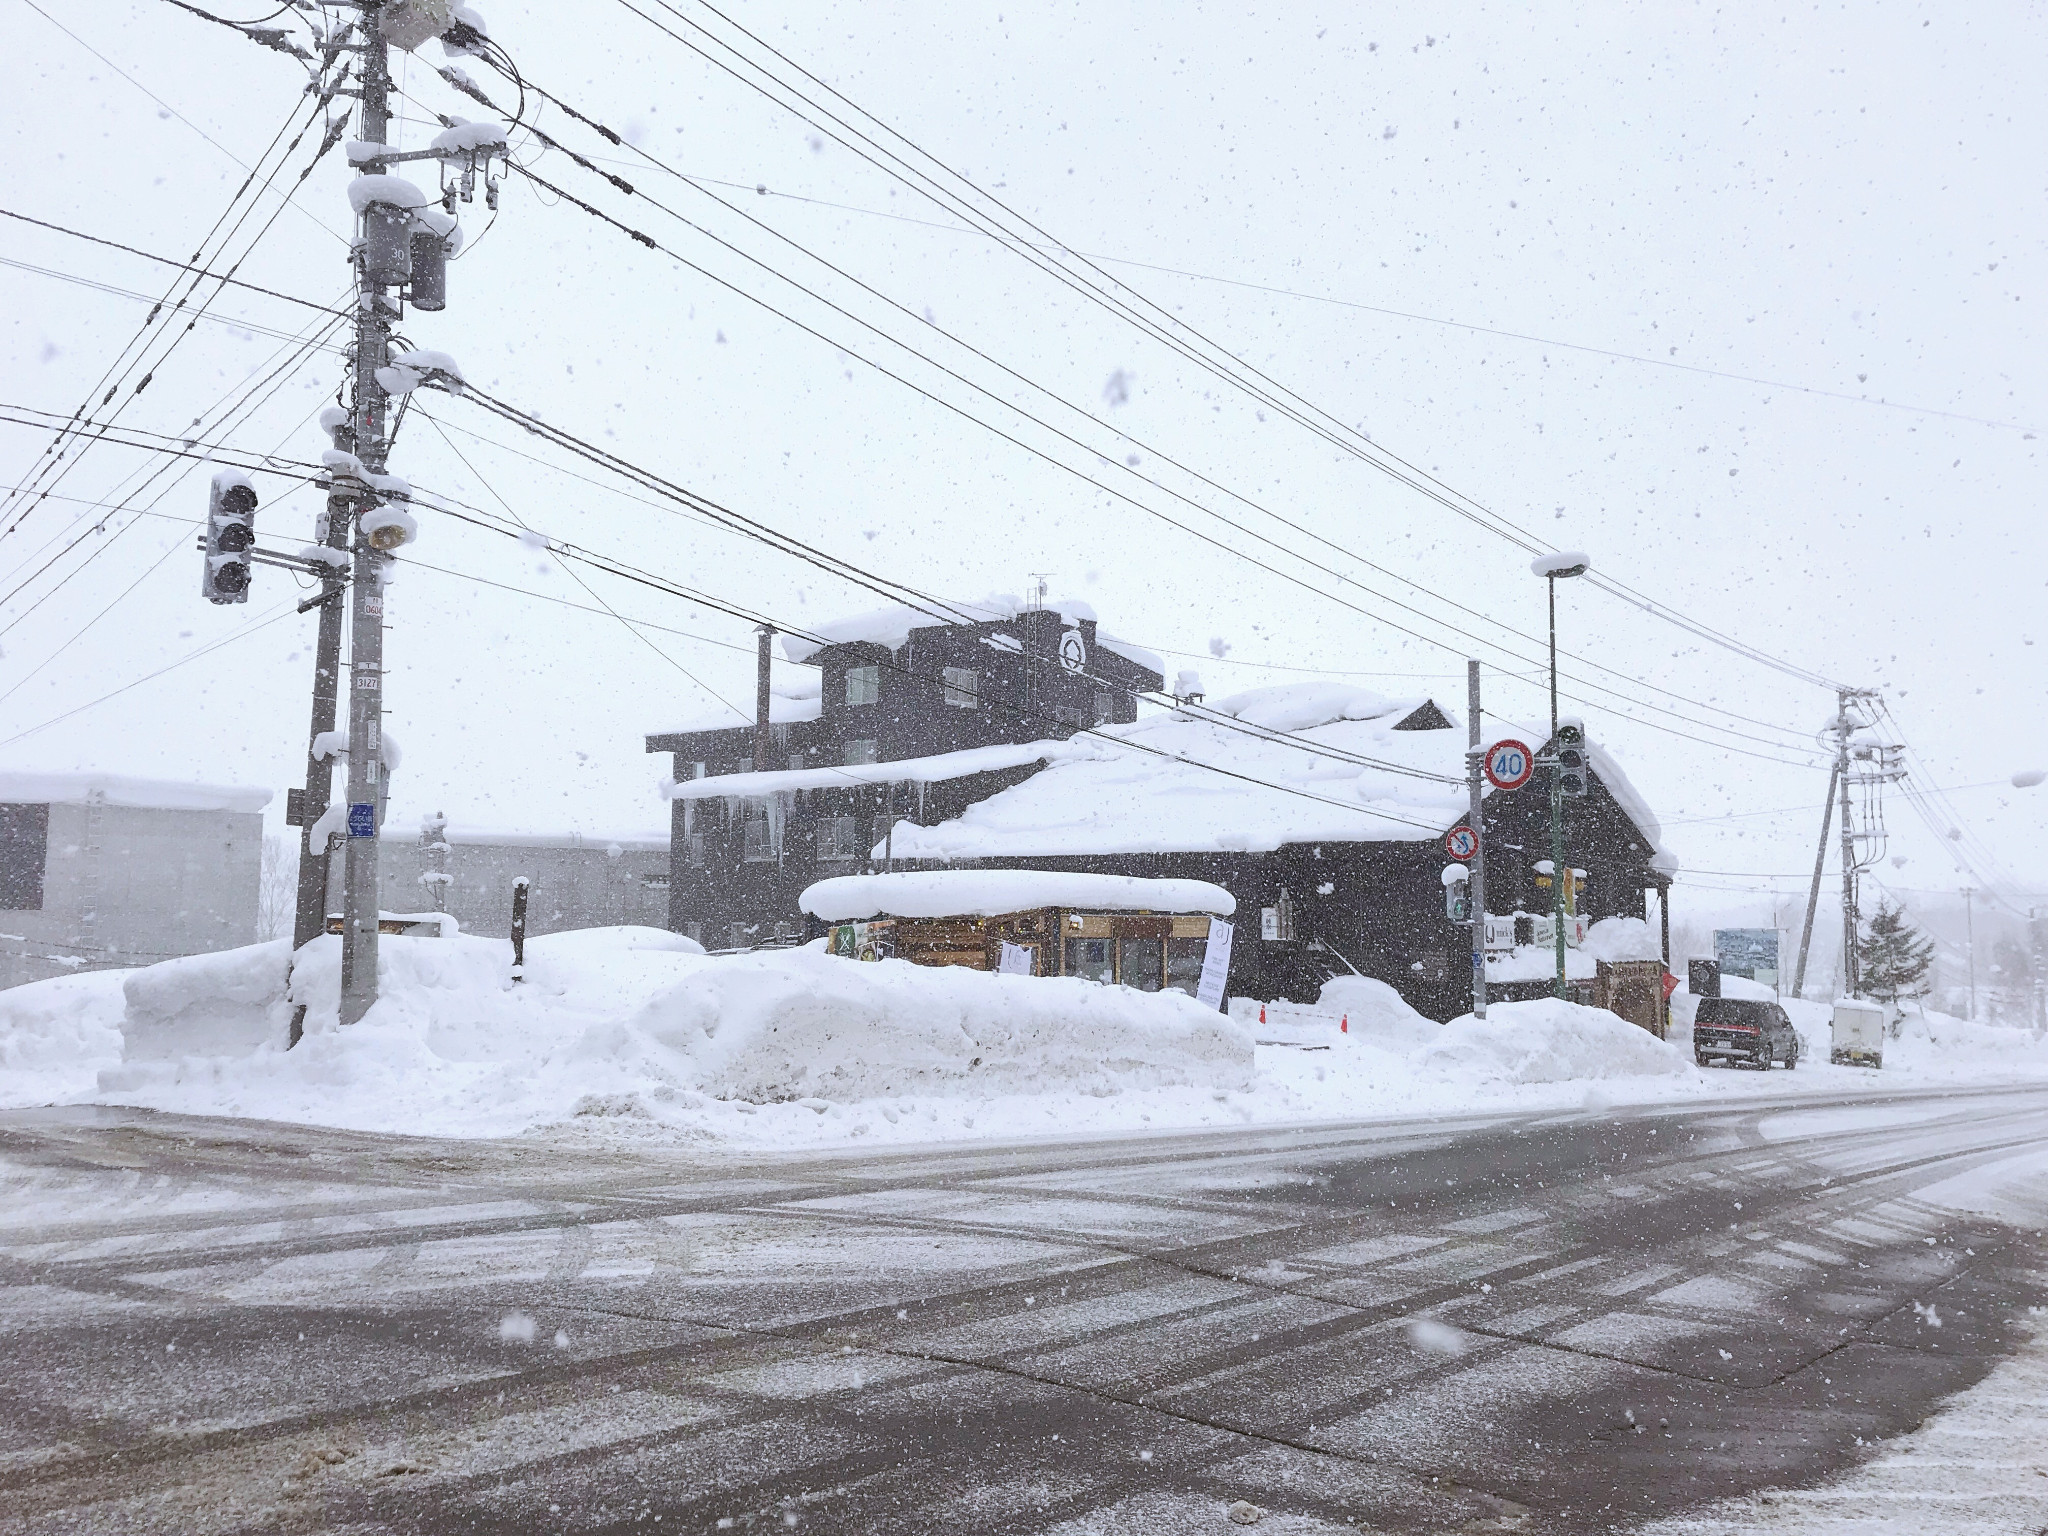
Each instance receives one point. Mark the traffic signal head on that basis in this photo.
(1570, 750)
(1457, 893)
(230, 536)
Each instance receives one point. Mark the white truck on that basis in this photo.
(1858, 1033)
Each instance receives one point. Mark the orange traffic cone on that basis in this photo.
(1262, 1013)
(1344, 1025)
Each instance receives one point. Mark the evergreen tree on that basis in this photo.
(1892, 957)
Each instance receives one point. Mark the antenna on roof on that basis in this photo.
(1038, 598)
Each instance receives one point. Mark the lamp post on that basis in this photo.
(1554, 568)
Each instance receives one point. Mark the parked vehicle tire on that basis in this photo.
(1792, 1059)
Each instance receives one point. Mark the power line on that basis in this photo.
(1051, 395)
(653, 244)
(183, 266)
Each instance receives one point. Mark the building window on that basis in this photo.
(1092, 959)
(1067, 714)
(861, 752)
(694, 932)
(746, 765)
(758, 831)
(24, 850)
(1184, 964)
(839, 837)
(796, 760)
(693, 849)
(697, 770)
(963, 687)
(655, 882)
(863, 685)
(740, 936)
(1105, 707)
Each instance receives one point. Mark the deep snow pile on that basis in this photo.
(1377, 1014)
(55, 1035)
(639, 1024)
(1547, 1041)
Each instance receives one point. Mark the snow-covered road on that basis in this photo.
(1539, 1321)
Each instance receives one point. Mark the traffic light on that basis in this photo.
(230, 536)
(1457, 893)
(1570, 748)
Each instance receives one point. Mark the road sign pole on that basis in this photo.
(1474, 759)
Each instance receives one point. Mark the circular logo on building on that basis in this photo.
(1073, 651)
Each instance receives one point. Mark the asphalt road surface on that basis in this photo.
(1495, 1323)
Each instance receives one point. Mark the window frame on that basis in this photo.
(863, 680)
(958, 694)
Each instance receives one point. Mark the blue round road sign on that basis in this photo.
(1509, 764)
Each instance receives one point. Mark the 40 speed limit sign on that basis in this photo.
(1509, 764)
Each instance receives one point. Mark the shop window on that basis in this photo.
(863, 685)
(1184, 964)
(1092, 959)
(1139, 963)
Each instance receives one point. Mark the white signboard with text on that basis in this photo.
(1215, 965)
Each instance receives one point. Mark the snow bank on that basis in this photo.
(994, 892)
(55, 1036)
(1377, 1014)
(1547, 1041)
(1622, 938)
(638, 1024)
(802, 1024)
(229, 1003)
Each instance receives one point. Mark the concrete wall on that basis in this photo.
(576, 883)
(129, 885)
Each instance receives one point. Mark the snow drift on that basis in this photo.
(1547, 1041)
(55, 1034)
(635, 1023)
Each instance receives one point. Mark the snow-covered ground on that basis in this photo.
(634, 1031)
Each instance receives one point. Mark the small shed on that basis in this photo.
(1149, 934)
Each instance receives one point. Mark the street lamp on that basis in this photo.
(1554, 568)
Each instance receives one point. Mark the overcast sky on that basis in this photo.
(1744, 301)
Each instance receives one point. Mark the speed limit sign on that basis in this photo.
(1461, 843)
(1509, 764)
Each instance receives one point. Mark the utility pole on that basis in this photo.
(332, 533)
(1820, 858)
(369, 416)
(1970, 942)
(1474, 758)
(1851, 982)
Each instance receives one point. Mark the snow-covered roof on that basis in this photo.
(643, 841)
(909, 770)
(891, 627)
(1152, 787)
(993, 892)
(791, 701)
(118, 789)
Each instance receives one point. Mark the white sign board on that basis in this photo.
(1016, 960)
(1215, 965)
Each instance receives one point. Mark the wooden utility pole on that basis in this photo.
(1820, 858)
